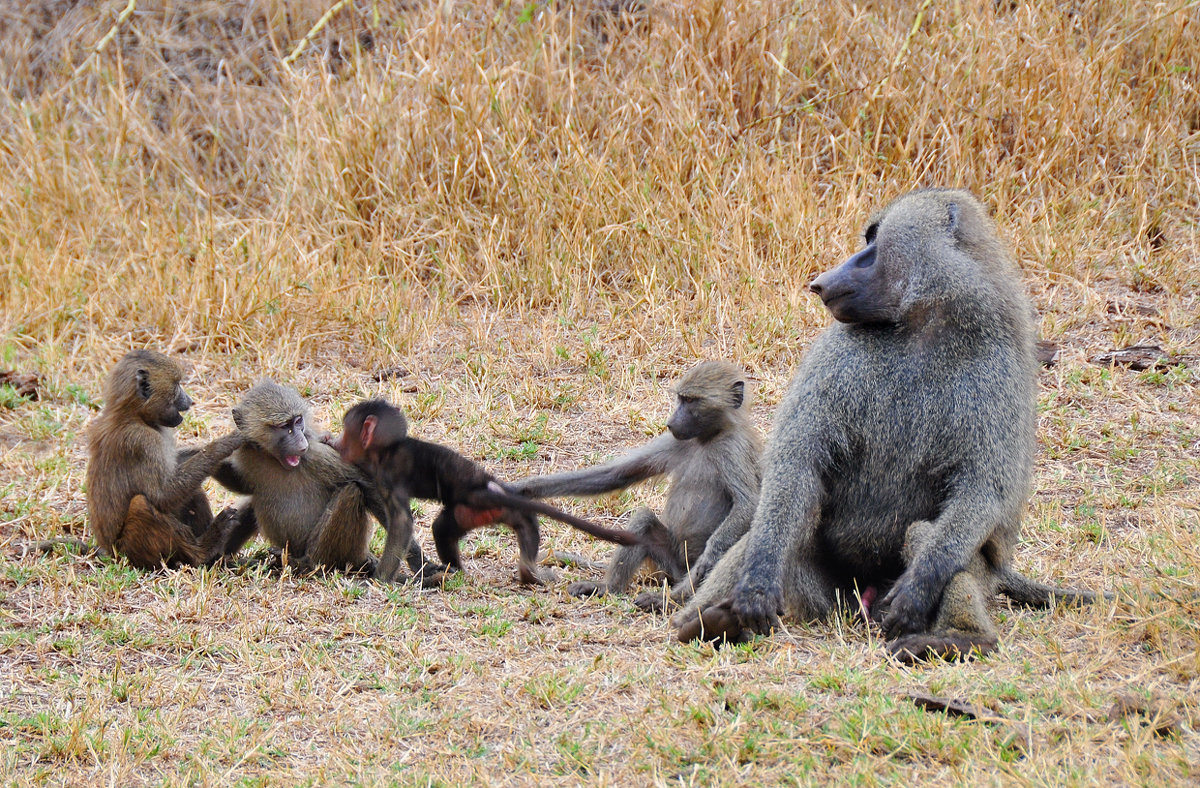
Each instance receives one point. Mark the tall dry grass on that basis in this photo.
(681, 173)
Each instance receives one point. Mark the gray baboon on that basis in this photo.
(303, 498)
(375, 438)
(916, 406)
(711, 454)
(144, 497)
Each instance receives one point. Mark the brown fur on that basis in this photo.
(144, 497)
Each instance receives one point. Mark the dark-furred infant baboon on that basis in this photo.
(303, 498)
(711, 454)
(375, 438)
(910, 418)
(144, 497)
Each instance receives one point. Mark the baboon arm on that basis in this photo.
(653, 459)
(229, 477)
(784, 528)
(970, 516)
(189, 474)
(735, 525)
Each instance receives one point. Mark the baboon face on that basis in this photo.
(149, 382)
(165, 400)
(861, 290)
(703, 397)
(287, 441)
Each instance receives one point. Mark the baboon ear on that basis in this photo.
(143, 383)
(368, 431)
(239, 419)
(739, 393)
(952, 215)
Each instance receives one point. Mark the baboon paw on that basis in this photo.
(905, 615)
(584, 588)
(653, 601)
(530, 577)
(911, 649)
(717, 625)
(757, 610)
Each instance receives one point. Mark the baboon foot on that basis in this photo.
(654, 601)
(920, 647)
(531, 577)
(584, 588)
(716, 624)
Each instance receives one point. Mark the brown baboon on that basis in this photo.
(302, 496)
(711, 454)
(916, 406)
(144, 498)
(375, 438)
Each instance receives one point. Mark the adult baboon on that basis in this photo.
(303, 498)
(375, 438)
(917, 406)
(144, 497)
(711, 454)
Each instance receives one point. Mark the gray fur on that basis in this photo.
(921, 407)
(714, 475)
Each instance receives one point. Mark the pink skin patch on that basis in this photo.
(865, 599)
(292, 460)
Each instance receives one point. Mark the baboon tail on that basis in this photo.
(496, 495)
(1031, 593)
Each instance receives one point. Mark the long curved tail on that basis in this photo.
(496, 495)
(1031, 593)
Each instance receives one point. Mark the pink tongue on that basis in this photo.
(292, 460)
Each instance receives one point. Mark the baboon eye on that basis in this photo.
(686, 400)
(869, 235)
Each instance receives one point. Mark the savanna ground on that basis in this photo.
(522, 222)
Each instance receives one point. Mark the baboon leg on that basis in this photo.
(717, 586)
(197, 514)
(150, 538)
(446, 535)
(962, 629)
(627, 560)
(962, 626)
(343, 534)
(529, 539)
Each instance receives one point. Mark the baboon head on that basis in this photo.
(924, 251)
(148, 383)
(370, 426)
(707, 395)
(275, 419)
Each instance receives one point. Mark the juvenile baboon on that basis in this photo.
(711, 454)
(303, 498)
(375, 438)
(916, 406)
(144, 497)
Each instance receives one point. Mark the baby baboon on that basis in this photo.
(711, 455)
(375, 438)
(917, 406)
(302, 496)
(144, 498)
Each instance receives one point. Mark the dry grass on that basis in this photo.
(543, 214)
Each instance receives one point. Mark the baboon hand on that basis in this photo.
(907, 612)
(757, 609)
